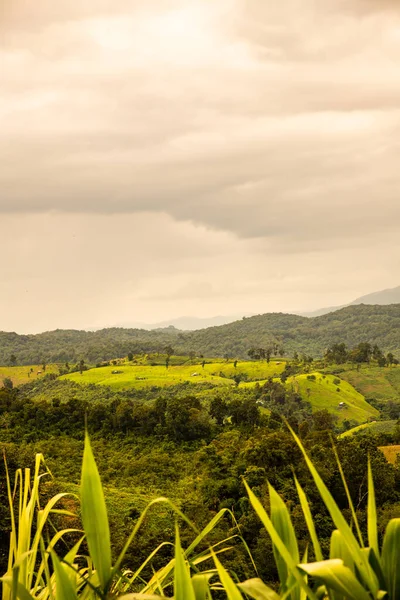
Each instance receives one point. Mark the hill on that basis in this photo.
(383, 297)
(374, 427)
(375, 383)
(352, 325)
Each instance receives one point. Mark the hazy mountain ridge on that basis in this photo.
(382, 298)
(361, 323)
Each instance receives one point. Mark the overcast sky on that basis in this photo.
(160, 158)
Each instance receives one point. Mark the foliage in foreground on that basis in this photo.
(355, 570)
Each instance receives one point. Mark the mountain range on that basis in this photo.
(189, 323)
(383, 298)
(294, 333)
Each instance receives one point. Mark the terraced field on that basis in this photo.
(372, 427)
(327, 392)
(25, 374)
(375, 382)
(127, 376)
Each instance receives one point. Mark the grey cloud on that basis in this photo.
(274, 144)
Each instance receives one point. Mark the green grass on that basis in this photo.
(322, 394)
(380, 383)
(372, 427)
(143, 376)
(21, 375)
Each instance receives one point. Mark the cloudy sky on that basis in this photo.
(160, 158)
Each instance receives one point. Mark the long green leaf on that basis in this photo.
(371, 511)
(309, 520)
(391, 558)
(183, 589)
(201, 586)
(282, 523)
(339, 549)
(360, 558)
(336, 576)
(64, 587)
(230, 588)
(349, 498)
(255, 588)
(276, 540)
(94, 516)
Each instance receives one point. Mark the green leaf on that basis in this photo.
(309, 520)
(371, 511)
(391, 558)
(339, 549)
(255, 588)
(230, 588)
(17, 589)
(183, 589)
(336, 576)
(94, 516)
(282, 523)
(64, 587)
(276, 540)
(360, 558)
(200, 586)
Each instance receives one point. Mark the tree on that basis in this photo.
(167, 362)
(323, 420)
(361, 353)
(218, 409)
(130, 356)
(377, 354)
(7, 383)
(169, 351)
(337, 353)
(13, 360)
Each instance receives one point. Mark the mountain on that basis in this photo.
(186, 323)
(352, 325)
(383, 298)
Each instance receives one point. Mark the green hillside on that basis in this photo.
(25, 374)
(322, 391)
(372, 427)
(381, 384)
(327, 392)
(351, 325)
(128, 376)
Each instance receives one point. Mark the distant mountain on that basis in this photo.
(186, 323)
(383, 298)
(352, 325)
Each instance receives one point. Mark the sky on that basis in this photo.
(163, 158)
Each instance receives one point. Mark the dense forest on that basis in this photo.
(154, 442)
(352, 325)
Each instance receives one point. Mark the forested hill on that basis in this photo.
(352, 325)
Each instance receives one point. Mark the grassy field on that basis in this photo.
(126, 376)
(373, 427)
(391, 453)
(380, 383)
(323, 393)
(25, 374)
